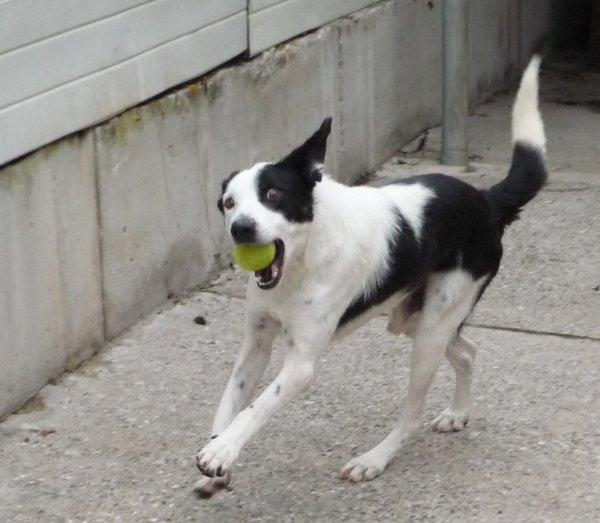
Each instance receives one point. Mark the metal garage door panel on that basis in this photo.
(274, 21)
(95, 97)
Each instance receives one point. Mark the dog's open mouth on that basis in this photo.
(269, 277)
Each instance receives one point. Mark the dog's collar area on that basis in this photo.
(269, 277)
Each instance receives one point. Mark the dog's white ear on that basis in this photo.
(308, 159)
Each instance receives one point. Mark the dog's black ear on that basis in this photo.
(308, 159)
(224, 185)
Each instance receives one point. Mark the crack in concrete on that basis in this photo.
(101, 238)
(534, 332)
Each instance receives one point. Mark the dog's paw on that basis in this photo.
(361, 469)
(216, 458)
(207, 487)
(450, 421)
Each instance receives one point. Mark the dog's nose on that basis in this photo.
(243, 230)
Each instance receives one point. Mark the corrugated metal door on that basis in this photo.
(68, 64)
(274, 21)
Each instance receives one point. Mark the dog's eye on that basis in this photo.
(273, 195)
(228, 203)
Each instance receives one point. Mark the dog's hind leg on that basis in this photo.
(406, 314)
(460, 354)
(426, 357)
(448, 300)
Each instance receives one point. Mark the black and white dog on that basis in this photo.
(422, 249)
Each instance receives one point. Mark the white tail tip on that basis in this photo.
(527, 124)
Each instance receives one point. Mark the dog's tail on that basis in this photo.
(527, 173)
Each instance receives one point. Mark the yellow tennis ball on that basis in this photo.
(254, 257)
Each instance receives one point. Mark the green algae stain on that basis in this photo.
(119, 129)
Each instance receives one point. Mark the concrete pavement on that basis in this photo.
(115, 440)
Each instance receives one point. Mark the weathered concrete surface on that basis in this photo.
(383, 106)
(153, 205)
(115, 440)
(50, 305)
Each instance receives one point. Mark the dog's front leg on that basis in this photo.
(294, 378)
(249, 367)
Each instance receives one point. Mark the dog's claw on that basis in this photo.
(206, 472)
(355, 471)
(362, 468)
(216, 459)
(203, 468)
(450, 421)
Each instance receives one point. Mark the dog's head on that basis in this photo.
(273, 202)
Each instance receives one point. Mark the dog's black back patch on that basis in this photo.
(406, 268)
(457, 231)
(458, 227)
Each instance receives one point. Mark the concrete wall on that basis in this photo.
(100, 228)
(50, 273)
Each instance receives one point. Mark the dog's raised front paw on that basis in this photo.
(361, 469)
(216, 458)
(449, 421)
(207, 487)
